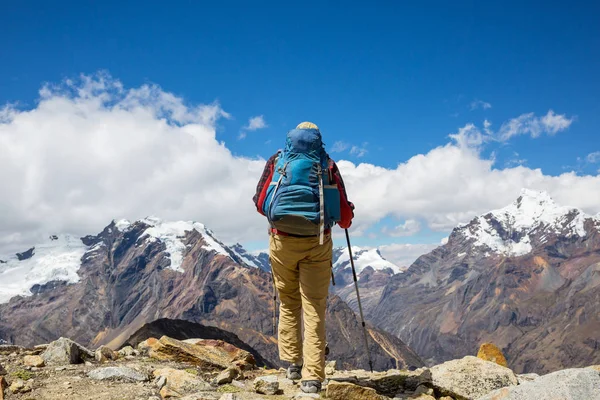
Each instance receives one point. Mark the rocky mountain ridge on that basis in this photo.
(526, 277)
(131, 274)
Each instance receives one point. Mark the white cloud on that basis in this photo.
(486, 127)
(593, 157)
(256, 123)
(408, 228)
(339, 147)
(529, 124)
(91, 151)
(476, 104)
(403, 255)
(359, 151)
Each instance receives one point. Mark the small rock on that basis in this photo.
(422, 389)
(154, 398)
(522, 378)
(126, 351)
(423, 397)
(238, 384)
(330, 367)
(33, 361)
(167, 393)
(88, 364)
(160, 382)
(489, 352)
(307, 396)
(181, 382)
(130, 358)
(2, 370)
(446, 398)
(227, 376)
(350, 391)
(117, 373)
(228, 396)
(65, 351)
(18, 386)
(105, 354)
(266, 385)
(58, 369)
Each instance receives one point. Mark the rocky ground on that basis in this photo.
(198, 369)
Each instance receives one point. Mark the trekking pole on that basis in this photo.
(274, 304)
(362, 318)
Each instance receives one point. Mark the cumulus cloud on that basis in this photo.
(529, 124)
(408, 228)
(256, 123)
(476, 104)
(91, 151)
(403, 255)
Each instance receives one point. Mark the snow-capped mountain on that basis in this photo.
(100, 289)
(525, 277)
(529, 221)
(363, 258)
(60, 256)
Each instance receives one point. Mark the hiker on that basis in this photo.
(302, 194)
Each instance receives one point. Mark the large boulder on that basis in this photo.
(489, 352)
(65, 351)
(350, 391)
(470, 378)
(568, 384)
(207, 354)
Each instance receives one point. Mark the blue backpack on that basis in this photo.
(302, 198)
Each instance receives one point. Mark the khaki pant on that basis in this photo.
(302, 269)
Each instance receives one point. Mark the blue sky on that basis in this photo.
(391, 79)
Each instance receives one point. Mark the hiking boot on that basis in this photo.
(310, 386)
(294, 372)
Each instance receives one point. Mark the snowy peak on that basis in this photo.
(531, 219)
(57, 258)
(363, 258)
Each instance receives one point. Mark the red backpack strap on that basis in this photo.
(263, 183)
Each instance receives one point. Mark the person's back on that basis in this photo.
(302, 194)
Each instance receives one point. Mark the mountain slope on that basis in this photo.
(526, 277)
(135, 273)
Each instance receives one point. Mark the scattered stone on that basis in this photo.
(422, 389)
(118, 373)
(568, 384)
(207, 354)
(65, 351)
(489, 352)
(58, 369)
(238, 384)
(33, 361)
(20, 386)
(154, 398)
(167, 393)
(330, 367)
(88, 364)
(127, 351)
(307, 396)
(266, 385)
(423, 397)
(160, 382)
(10, 349)
(228, 396)
(227, 376)
(181, 381)
(145, 346)
(350, 391)
(41, 347)
(522, 378)
(446, 398)
(470, 378)
(105, 354)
